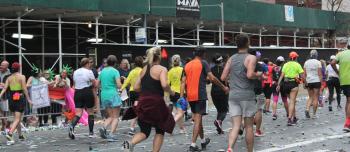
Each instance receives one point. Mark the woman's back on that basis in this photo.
(15, 82)
(151, 80)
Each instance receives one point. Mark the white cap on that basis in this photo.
(280, 58)
(333, 57)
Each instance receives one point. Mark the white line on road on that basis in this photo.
(303, 143)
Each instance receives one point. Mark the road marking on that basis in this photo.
(303, 143)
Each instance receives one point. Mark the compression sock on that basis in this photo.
(75, 121)
(91, 122)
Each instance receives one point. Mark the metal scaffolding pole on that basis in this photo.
(4, 38)
(43, 45)
(19, 41)
(309, 40)
(76, 45)
(128, 33)
(335, 40)
(295, 38)
(172, 32)
(220, 36)
(60, 42)
(198, 42)
(322, 40)
(222, 24)
(260, 39)
(145, 26)
(278, 38)
(96, 29)
(157, 32)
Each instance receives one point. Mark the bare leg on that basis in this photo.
(109, 120)
(115, 118)
(315, 100)
(196, 127)
(236, 126)
(310, 99)
(138, 137)
(16, 122)
(133, 123)
(267, 104)
(292, 103)
(249, 135)
(258, 119)
(157, 142)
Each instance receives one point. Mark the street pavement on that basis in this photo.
(310, 135)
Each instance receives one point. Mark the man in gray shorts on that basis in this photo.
(239, 70)
(4, 74)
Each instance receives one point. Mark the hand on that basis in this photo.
(172, 93)
(30, 102)
(278, 88)
(96, 109)
(136, 103)
(227, 90)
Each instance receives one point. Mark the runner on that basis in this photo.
(239, 70)
(194, 82)
(109, 80)
(174, 80)
(277, 71)
(321, 98)
(343, 59)
(313, 78)
(333, 82)
(220, 99)
(260, 96)
(291, 75)
(267, 83)
(151, 109)
(18, 93)
(84, 99)
(4, 74)
(130, 82)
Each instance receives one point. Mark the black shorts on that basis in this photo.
(84, 98)
(175, 98)
(346, 90)
(133, 97)
(199, 107)
(315, 85)
(288, 86)
(146, 128)
(268, 90)
(220, 101)
(18, 105)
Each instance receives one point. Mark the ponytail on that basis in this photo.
(153, 54)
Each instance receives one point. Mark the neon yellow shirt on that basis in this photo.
(292, 69)
(174, 78)
(343, 59)
(132, 78)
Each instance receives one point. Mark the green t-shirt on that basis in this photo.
(343, 59)
(107, 79)
(292, 69)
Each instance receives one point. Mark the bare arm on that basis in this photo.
(25, 90)
(320, 75)
(250, 65)
(164, 81)
(304, 75)
(280, 79)
(137, 86)
(118, 82)
(29, 82)
(226, 71)
(5, 88)
(216, 81)
(183, 86)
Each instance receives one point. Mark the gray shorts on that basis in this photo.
(242, 108)
(260, 101)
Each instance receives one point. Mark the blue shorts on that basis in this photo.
(114, 102)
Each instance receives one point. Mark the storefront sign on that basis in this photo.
(187, 8)
(289, 13)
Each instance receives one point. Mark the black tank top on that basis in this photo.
(148, 84)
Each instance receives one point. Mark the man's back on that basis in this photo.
(196, 75)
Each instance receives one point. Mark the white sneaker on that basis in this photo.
(8, 143)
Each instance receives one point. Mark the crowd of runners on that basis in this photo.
(243, 86)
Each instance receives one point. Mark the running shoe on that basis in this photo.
(128, 147)
(71, 132)
(307, 114)
(132, 131)
(218, 126)
(22, 137)
(229, 150)
(330, 108)
(339, 107)
(204, 145)
(289, 123)
(92, 135)
(112, 138)
(103, 133)
(258, 133)
(182, 131)
(10, 140)
(295, 121)
(194, 149)
(274, 117)
(346, 128)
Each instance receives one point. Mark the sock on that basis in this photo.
(91, 122)
(347, 121)
(203, 140)
(193, 144)
(75, 121)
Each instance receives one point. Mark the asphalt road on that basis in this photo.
(310, 135)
